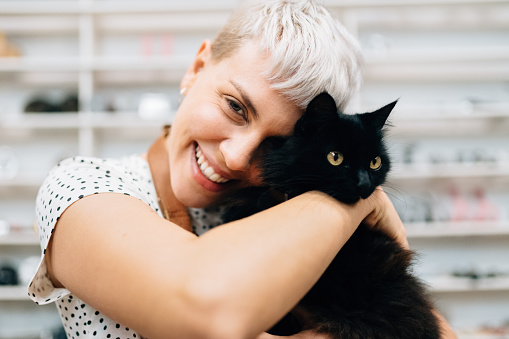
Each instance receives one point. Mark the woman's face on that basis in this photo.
(228, 114)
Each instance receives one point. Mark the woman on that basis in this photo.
(116, 268)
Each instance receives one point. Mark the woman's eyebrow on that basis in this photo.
(245, 97)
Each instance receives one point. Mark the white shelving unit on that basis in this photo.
(19, 239)
(447, 61)
(457, 229)
(13, 293)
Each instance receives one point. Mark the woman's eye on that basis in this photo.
(376, 163)
(335, 158)
(237, 108)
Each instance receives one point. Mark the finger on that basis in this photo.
(385, 218)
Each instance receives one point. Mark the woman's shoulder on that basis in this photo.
(78, 170)
(74, 178)
(127, 165)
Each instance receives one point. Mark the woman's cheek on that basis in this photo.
(213, 119)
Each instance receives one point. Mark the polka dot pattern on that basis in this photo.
(70, 181)
(82, 321)
(204, 219)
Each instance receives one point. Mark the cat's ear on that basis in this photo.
(379, 117)
(320, 111)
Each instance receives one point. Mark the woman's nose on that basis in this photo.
(239, 151)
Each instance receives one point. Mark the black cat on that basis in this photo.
(368, 291)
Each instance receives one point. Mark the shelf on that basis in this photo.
(399, 56)
(406, 3)
(19, 239)
(115, 16)
(457, 229)
(108, 7)
(76, 64)
(42, 121)
(22, 182)
(448, 284)
(468, 335)
(449, 171)
(481, 71)
(122, 7)
(450, 112)
(30, 25)
(14, 293)
(123, 120)
(96, 120)
(42, 64)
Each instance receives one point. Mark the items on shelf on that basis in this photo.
(154, 106)
(477, 274)
(42, 104)
(474, 207)
(8, 275)
(148, 103)
(414, 153)
(453, 206)
(497, 330)
(21, 272)
(27, 268)
(156, 45)
(470, 276)
(7, 49)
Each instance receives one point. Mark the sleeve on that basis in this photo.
(68, 182)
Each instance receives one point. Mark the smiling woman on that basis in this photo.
(116, 267)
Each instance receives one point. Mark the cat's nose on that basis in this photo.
(363, 184)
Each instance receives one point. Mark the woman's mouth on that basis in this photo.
(207, 170)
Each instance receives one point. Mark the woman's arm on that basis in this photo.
(118, 255)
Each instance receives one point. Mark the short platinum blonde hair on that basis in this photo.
(311, 51)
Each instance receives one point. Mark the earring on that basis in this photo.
(182, 94)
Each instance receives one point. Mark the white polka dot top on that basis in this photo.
(68, 182)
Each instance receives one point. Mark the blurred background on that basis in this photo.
(100, 78)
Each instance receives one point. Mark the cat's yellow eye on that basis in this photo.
(376, 163)
(335, 158)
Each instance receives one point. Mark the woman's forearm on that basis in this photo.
(264, 264)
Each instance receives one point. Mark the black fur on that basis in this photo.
(368, 291)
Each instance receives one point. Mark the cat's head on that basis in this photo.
(343, 155)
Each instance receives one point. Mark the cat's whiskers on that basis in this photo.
(394, 192)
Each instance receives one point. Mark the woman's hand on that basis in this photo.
(446, 331)
(384, 217)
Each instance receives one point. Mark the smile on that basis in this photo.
(208, 171)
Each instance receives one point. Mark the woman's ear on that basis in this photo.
(201, 58)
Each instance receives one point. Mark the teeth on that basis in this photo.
(207, 170)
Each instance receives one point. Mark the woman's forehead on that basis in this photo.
(243, 75)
